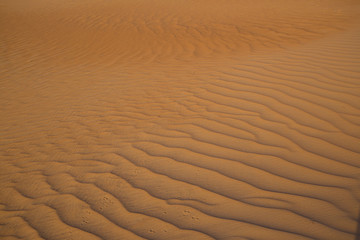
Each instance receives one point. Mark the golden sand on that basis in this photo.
(226, 119)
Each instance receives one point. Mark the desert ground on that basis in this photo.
(186, 119)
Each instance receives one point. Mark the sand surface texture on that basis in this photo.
(186, 119)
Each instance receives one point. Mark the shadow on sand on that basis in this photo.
(357, 236)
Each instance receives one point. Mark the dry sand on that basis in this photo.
(186, 119)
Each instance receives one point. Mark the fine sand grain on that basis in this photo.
(186, 119)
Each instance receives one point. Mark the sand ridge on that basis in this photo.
(179, 120)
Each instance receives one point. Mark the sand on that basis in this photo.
(226, 119)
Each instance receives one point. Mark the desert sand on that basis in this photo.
(186, 119)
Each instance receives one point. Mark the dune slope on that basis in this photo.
(179, 119)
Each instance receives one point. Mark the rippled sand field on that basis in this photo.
(186, 119)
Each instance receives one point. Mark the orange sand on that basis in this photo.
(138, 119)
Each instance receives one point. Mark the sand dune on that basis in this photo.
(180, 119)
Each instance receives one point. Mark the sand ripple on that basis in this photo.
(187, 120)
